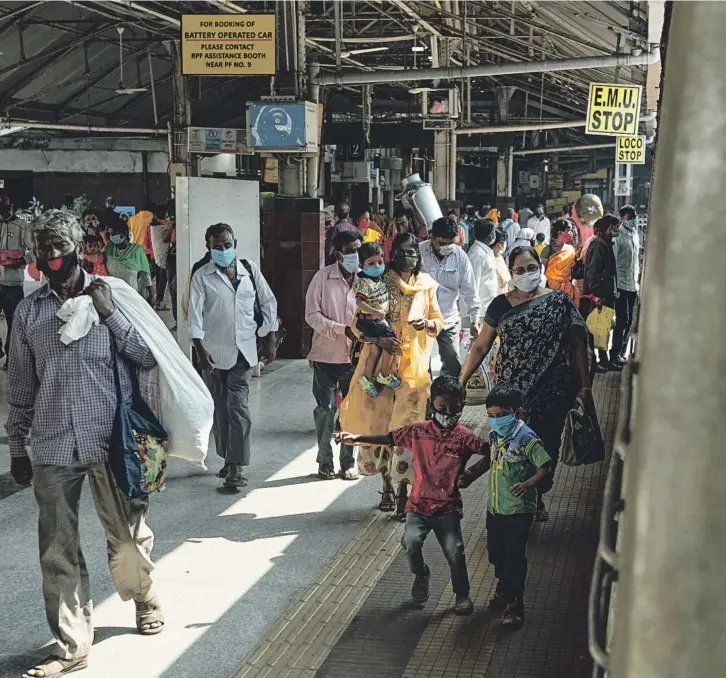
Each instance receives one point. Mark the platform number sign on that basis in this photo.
(613, 110)
(630, 150)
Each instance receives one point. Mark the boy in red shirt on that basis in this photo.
(441, 449)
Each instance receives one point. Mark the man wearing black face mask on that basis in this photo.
(449, 266)
(600, 288)
(71, 432)
(539, 223)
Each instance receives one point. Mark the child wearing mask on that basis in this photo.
(517, 463)
(371, 300)
(441, 449)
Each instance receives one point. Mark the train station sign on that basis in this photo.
(630, 150)
(228, 44)
(613, 110)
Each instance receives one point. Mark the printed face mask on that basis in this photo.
(446, 421)
(59, 269)
(223, 258)
(527, 282)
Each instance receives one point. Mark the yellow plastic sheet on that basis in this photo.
(600, 322)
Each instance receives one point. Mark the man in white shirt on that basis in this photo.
(483, 263)
(511, 229)
(449, 266)
(539, 223)
(229, 307)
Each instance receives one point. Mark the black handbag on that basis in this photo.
(138, 452)
(582, 441)
(578, 270)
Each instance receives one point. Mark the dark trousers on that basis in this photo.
(171, 275)
(10, 297)
(587, 307)
(507, 546)
(230, 391)
(448, 341)
(447, 529)
(161, 280)
(624, 305)
(327, 379)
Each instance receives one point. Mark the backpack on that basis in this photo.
(258, 310)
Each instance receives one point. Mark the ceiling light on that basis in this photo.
(418, 48)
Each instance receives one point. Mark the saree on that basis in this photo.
(131, 265)
(393, 408)
(559, 271)
(534, 356)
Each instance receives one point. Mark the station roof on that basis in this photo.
(60, 59)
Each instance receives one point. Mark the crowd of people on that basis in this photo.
(527, 292)
(390, 290)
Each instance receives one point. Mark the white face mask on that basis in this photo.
(527, 282)
(445, 250)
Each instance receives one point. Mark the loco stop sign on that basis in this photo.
(630, 150)
(613, 109)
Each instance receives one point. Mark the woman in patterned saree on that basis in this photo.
(543, 352)
(415, 316)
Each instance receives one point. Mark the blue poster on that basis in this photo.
(277, 125)
(212, 139)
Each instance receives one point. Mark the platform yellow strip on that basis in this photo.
(298, 644)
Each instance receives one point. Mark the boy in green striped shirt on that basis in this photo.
(518, 462)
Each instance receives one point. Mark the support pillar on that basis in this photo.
(445, 165)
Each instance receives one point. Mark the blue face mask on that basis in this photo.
(504, 426)
(351, 262)
(117, 239)
(374, 271)
(223, 258)
(629, 224)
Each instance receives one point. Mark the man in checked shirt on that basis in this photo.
(69, 429)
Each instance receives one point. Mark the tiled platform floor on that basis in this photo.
(357, 619)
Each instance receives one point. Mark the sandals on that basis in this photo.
(369, 387)
(61, 667)
(388, 501)
(149, 613)
(326, 472)
(348, 474)
(392, 381)
(541, 515)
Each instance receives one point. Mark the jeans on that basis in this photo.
(624, 306)
(10, 297)
(447, 529)
(230, 391)
(129, 541)
(448, 341)
(507, 546)
(327, 378)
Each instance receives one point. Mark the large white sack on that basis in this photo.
(173, 390)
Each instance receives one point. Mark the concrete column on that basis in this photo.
(444, 165)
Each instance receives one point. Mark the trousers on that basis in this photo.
(327, 378)
(230, 390)
(507, 547)
(624, 306)
(448, 341)
(129, 540)
(10, 297)
(447, 529)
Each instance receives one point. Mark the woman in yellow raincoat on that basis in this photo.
(415, 316)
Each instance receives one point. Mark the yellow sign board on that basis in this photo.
(613, 109)
(228, 44)
(630, 150)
